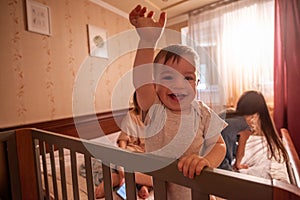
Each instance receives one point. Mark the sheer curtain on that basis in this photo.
(236, 46)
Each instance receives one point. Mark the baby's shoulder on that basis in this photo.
(203, 108)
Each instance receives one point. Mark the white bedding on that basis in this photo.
(256, 157)
(109, 139)
(67, 159)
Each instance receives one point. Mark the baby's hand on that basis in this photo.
(192, 164)
(140, 19)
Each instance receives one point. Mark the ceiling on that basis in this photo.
(176, 9)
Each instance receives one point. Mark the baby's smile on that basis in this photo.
(177, 96)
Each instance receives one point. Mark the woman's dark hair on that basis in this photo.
(252, 102)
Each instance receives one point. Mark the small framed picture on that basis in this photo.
(97, 41)
(38, 17)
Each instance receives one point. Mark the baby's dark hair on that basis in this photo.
(175, 53)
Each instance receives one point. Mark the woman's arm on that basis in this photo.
(244, 135)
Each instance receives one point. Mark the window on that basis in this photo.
(236, 45)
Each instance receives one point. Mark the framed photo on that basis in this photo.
(97, 41)
(38, 17)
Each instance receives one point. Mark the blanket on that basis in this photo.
(256, 157)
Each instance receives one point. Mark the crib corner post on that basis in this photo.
(28, 176)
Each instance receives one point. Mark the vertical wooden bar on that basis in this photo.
(45, 169)
(74, 175)
(26, 164)
(198, 195)
(160, 192)
(89, 177)
(53, 171)
(62, 173)
(36, 144)
(107, 182)
(130, 185)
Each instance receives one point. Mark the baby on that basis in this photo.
(177, 125)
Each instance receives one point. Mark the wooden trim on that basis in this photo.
(108, 121)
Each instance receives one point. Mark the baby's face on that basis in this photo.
(176, 84)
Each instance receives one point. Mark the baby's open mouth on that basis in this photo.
(177, 97)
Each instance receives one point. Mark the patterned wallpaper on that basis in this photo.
(38, 72)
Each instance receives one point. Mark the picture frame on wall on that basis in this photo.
(97, 41)
(38, 17)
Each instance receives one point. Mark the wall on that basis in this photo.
(179, 26)
(38, 73)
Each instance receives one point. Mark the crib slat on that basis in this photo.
(53, 170)
(38, 167)
(107, 182)
(199, 195)
(89, 176)
(130, 185)
(45, 169)
(74, 175)
(62, 173)
(160, 192)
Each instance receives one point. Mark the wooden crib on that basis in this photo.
(26, 150)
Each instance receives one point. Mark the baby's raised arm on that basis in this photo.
(149, 32)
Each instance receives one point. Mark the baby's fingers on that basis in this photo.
(192, 168)
(180, 164)
(150, 14)
(135, 11)
(201, 164)
(133, 15)
(142, 11)
(162, 19)
(187, 166)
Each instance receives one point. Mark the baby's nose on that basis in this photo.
(180, 83)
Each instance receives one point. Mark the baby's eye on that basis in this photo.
(189, 78)
(167, 78)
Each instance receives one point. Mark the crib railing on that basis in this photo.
(293, 164)
(225, 184)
